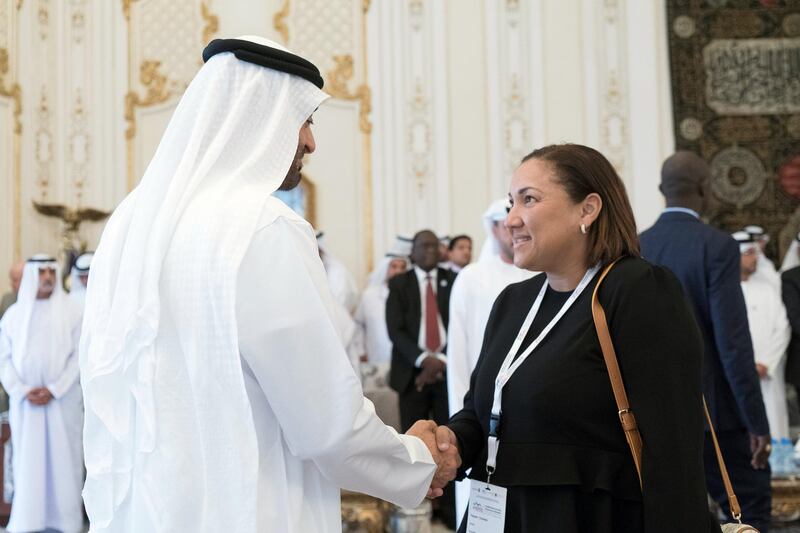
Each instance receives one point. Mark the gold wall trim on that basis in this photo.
(155, 83)
(157, 92)
(279, 22)
(126, 9)
(13, 91)
(212, 23)
(338, 79)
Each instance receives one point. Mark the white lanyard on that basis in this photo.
(510, 365)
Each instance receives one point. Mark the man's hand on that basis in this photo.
(762, 370)
(39, 396)
(447, 444)
(442, 444)
(761, 448)
(432, 371)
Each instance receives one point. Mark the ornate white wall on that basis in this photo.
(434, 102)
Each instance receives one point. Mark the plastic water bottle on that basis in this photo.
(787, 455)
(776, 458)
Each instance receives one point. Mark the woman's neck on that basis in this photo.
(567, 278)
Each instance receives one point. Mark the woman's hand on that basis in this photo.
(442, 443)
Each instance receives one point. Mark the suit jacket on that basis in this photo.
(790, 286)
(403, 316)
(707, 262)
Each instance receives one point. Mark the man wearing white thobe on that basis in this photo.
(770, 331)
(340, 280)
(218, 393)
(765, 269)
(474, 292)
(373, 337)
(79, 278)
(39, 370)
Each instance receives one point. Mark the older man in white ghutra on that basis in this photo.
(39, 370)
(218, 394)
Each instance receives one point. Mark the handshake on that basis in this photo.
(442, 443)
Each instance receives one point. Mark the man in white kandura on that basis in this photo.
(372, 339)
(765, 269)
(770, 331)
(79, 278)
(340, 280)
(474, 292)
(39, 370)
(218, 394)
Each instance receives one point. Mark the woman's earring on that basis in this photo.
(583, 229)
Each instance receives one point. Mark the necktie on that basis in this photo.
(432, 339)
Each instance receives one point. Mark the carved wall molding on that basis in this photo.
(337, 87)
(615, 130)
(43, 145)
(164, 31)
(511, 46)
(79, 146)
(211, 20)
(11, 90)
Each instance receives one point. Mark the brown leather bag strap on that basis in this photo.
(626, 417)
(733, 502)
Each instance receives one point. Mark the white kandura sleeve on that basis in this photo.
(12, 383)
(458, 365)
(69, 376)
(287, 337)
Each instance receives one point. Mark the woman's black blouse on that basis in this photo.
(559, 424)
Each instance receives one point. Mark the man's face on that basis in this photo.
(503, 237)
(305, 145)
(749, 261)
(47, 282)
(444, 252)
(396, 266)
(461, 254)
(425, 251)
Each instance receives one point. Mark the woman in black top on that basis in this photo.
(562, 454)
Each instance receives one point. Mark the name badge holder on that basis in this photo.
(510, 364)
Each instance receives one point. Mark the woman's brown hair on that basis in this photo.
(581, 171)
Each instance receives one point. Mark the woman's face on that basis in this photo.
(544, 221)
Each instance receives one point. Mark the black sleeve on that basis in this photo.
(791, 299)
(466, 424)
(402, 341)
(660, 349)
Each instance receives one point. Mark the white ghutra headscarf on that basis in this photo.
(226, 149)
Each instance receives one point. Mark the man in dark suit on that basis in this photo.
(417, 312)
(790, 287)
(706, 260)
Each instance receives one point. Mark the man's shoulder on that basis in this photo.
(279, 226)
(793, 274)
(400, 281)
(697, 232)
(446, 273)
(275, 209)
